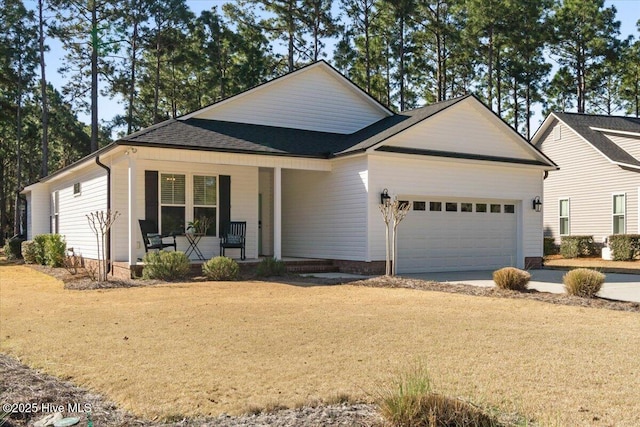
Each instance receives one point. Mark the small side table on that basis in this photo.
(194, 239)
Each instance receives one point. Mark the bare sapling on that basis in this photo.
(100, 223)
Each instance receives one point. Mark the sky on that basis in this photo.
(628, 13)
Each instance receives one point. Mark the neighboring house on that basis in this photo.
(303, 159)
(596, 190)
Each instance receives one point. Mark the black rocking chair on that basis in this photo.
(233, 236)
(153, 240)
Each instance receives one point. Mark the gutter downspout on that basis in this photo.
(105, 167)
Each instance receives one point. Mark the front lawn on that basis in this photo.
(203, 348)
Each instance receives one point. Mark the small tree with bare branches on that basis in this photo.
(399, 211)
(387, 215)
(100, 223)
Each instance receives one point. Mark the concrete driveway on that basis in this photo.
(620, 287)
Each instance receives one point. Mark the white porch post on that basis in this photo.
(133, 226)
(277, 213)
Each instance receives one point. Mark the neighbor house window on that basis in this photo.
(172, 203)
(205, 201)
(564, 217)
(619, 209)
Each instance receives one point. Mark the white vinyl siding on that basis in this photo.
(72, 209)
(564, 218)
(435, 180)
(323, 213)
(589, 180)
(619, 213)
(479, 134)
(316, 99)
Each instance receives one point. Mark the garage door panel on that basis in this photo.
(445, 241)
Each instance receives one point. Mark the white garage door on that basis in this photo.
(455, 234)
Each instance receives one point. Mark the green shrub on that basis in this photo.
(271, 267)
(55, 249)
(13, 248)
(29, 251)
(625, 247)
(550, 247)
(583, 282)
(576, 246)
(40, 240)
(511, 278)
(411, 402)
(165, 265)
(221, 268)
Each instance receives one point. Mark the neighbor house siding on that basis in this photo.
(465, 128)
(323, 213)
(588, 180)
(314, 100)
(424, 177)
(630, 144)
(73, 209)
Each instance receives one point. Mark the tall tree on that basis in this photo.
(584, 33)
(86, 31)
(43, 89)
(320, 24)
(630, 77)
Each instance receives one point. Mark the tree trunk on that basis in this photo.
(94, 77)
(401, 65)
(44, 171)
(16, 213)
(132, 85)
(156, 89)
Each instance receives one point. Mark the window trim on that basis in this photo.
(614, 214)
(568, 216)
(189, 197)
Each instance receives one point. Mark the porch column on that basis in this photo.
(133, 223)
(277, 213)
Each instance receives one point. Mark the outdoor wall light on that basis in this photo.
(537, 204)
(385, 198)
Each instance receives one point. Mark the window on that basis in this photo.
(564, 217)
(172, 203)
(435, 206)
(451, 207)
(403, 204)
(466, 207)
(55, 212)
(495, 208)
(481, 207)
(76, 189)
(619, 209)
(205, 201)
(509, 208)
(419, 206)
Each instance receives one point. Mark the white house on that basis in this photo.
(596, 191)
(303, 159)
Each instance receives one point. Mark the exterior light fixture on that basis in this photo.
(537, 204)
(385, 198)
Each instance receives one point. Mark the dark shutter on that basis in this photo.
(225, 201)
(151, 196)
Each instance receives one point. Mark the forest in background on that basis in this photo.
(160, 60)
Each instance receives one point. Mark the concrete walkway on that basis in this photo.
(620, 287)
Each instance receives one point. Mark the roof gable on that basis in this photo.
(315, 98)
(601, 133)
(466, 128)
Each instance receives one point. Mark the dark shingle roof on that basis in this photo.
(583, 124)
(219, 135)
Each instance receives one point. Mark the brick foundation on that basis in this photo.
(372, 268)
(533, 262)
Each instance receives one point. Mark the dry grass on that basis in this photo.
(556, 261)
(206, 348)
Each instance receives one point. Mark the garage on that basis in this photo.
(457, 234)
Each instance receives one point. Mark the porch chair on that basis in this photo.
(154, 240)
(233, 236)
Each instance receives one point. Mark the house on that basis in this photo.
(596, 190)
(303, 159)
